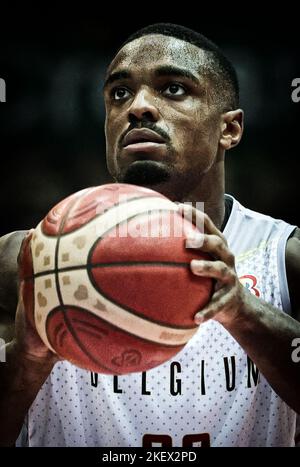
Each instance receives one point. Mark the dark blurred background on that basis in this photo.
(51, 127)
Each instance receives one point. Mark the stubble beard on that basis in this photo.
(146, 173)
(158, 176)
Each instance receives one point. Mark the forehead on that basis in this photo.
(156, 49)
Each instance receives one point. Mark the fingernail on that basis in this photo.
(194, 265)
(198, 318)
(195, 242)
(29, 232)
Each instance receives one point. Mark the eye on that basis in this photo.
(120, 93)
(174, 90)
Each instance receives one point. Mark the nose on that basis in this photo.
(143, 107)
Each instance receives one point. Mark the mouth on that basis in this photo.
(141, 139)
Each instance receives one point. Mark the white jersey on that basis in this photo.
(210, 394)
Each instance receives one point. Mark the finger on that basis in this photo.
(195, 216)
(201, 220)
(215, 243)
(25, 241)
(219, 302)
(21, 292)
(215, 269)
(212, 229)
(216, 247)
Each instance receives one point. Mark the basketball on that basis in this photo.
(107, 281)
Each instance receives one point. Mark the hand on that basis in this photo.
(229, 294)
(27, 340)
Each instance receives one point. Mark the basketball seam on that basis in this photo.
(98, 289)
(142, 339)
(59, 295)
(98, 215)
(107, 265)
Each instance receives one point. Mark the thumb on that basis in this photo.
(24, 255)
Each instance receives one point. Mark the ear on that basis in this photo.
(232, 126)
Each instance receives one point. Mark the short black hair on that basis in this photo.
(219, 67)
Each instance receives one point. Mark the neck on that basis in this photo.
(209, 189)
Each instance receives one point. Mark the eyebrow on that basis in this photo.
(168, 70)
(116, 76)
(164, 70)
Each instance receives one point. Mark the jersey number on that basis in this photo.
(188, 441)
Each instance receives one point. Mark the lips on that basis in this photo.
(142, 136)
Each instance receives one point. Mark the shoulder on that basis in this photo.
(293, 250)
(9, 249)
(292, 256)
(12, 240)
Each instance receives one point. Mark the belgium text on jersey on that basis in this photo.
(176, 381)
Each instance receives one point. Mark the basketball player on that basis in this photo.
(172, 111)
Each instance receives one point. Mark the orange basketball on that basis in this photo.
(107, 280)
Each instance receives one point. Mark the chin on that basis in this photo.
(146, 173)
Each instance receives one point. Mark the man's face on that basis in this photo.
(162, 122)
